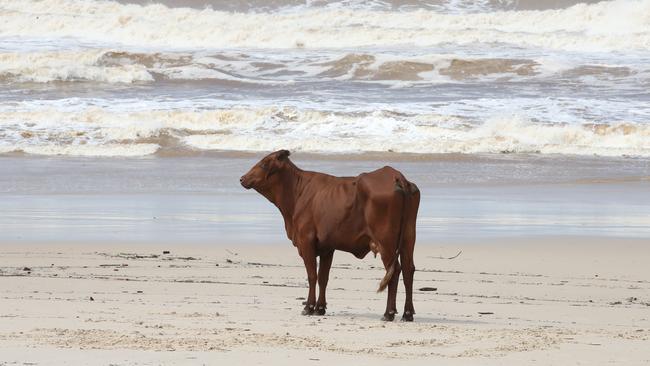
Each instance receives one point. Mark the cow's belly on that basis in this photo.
(358, 248)
(346, 236)
(339, 220)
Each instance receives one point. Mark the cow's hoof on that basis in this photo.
(389, 316)
(308, 310)
(407, 317)
(320, 310)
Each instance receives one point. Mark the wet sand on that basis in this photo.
(546, 301)
(198, 199)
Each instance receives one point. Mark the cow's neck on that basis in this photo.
(284, 196)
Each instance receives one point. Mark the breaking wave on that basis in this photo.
(109, 78)
(114, 66)
(102, 132)
(608, 25)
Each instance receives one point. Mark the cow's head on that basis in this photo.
(263, 175)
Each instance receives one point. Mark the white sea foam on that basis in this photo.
(101, 131)
(470, 80)
(108, 150)
(608, 25)
(376, 133)
(118, 66)
(67, 66)
(450, 6)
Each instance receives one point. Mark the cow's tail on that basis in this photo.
(401, 186)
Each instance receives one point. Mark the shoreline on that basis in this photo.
(588, 169)
(196, 246)
(389, 156)
(199, 199)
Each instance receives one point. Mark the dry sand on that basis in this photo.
(553, 301)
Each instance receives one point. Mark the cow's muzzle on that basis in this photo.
(244, 183)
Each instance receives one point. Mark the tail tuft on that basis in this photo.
(389, 274)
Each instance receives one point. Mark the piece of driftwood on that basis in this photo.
(454, 257)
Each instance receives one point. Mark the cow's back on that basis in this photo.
(331, 206)
(348, 212)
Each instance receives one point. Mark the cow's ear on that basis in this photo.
(283, 154)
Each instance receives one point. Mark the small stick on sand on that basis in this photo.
(454, 257)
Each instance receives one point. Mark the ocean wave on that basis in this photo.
(101, 131)
(111, 66)
(603, 26)
(257, 6)
(41, 67)
(120, 66)
(442, 6)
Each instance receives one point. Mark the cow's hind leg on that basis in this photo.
(409, 269)
(391, 302)
(406, 254)
(323, 276)
(309, 257)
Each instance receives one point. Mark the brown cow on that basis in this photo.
(374, 211)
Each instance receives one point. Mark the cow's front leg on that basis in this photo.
(309, 257)
(323, 276)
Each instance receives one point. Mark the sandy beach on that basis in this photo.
(552, 266)
(126, 237)
(547, 301)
